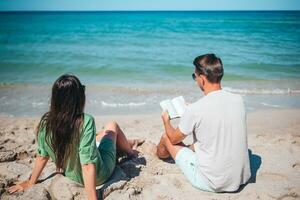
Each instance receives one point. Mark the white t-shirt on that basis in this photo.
(218, 124)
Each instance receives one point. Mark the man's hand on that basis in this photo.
(19, 187)
(165, 116)
(175, 136)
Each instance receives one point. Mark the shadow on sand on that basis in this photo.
(125, 170)
(255, 163)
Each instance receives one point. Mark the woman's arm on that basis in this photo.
(39, 165)
(89, 178)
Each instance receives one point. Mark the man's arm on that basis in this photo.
(89, 178)
(175, 135)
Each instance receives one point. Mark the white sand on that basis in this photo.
(273, 138)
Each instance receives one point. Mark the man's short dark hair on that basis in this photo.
(210, 66)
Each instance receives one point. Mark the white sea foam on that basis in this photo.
(38, 104)
(115, 105)
(270, 105)
(275, 91)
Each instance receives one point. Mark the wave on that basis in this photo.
(115, 105)
(270, 105)
(262, 91)
(38, 104)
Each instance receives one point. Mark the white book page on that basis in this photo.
(167, 105)
(179, 104)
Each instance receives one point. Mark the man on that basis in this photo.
(218, 160)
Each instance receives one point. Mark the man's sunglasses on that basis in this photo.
(194, 76)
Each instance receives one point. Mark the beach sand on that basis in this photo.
(273, 139)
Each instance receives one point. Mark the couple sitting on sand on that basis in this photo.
(218, 160)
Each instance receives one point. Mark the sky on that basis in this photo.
(85, 5)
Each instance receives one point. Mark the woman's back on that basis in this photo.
(68, 136)
(87, 152)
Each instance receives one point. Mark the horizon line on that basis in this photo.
(226, 10)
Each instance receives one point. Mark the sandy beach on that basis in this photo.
(273, 139)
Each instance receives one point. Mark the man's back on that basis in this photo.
(220, 131)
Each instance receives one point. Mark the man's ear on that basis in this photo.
(203, 80)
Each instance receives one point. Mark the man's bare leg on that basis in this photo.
(165, 148)
(162, 152)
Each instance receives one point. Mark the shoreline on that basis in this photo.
(152, 114)
(33, 100)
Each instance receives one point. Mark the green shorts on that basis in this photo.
(186, 161)
(107, 149)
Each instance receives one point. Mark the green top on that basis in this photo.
(87, 152)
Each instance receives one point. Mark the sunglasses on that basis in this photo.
(194, 76)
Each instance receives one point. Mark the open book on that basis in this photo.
(175, 107)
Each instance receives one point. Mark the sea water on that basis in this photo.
(130, 61)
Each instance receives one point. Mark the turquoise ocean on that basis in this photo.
(130, 61)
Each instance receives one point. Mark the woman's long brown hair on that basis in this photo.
(63, 123)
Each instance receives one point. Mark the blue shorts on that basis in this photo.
(186, 161)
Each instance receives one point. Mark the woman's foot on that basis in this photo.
(135, 143)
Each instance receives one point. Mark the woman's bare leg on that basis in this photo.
(135, 143)
(115, 133)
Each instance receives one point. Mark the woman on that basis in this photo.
(68, 136)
